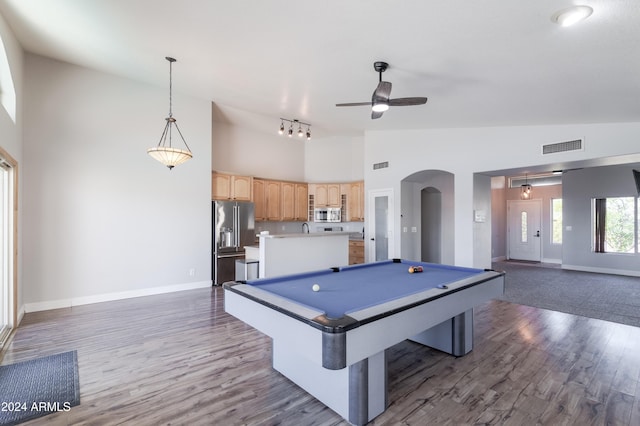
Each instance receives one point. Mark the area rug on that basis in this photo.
(38, 387)
(613, 298)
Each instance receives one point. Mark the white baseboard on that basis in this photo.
(86, 300)
(554, 261)
(601, 270)
(499, 258)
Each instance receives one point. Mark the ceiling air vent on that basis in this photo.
(382, 165)
(574, 145)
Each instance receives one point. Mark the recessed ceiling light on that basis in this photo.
(571, 15)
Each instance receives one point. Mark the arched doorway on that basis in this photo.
(427, 200)
(431, 225)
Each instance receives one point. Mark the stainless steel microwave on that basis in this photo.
(327, 214)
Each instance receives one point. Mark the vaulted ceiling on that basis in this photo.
(480, 63)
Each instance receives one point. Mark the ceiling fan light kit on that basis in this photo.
(571, 15)
(380, 106)
(380, 101)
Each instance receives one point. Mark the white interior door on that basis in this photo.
(524, 229)
(380, 244)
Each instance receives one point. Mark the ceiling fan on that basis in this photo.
(380, 101)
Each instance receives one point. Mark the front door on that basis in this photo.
(524, 229)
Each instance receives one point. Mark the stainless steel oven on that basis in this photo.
(327, 214)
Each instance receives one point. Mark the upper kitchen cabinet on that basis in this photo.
(327, 194)
(259, 200)
(272, 195)
(266, 199)
(355, 201)
(288, 195)
(231, 187)
(302, 202)
(280, 201)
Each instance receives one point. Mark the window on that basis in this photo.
(556, 221)
(615, 223)
(523, 227)
(7, 90)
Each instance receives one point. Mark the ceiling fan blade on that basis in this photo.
(376, 114)
(407, 101)
(383, 91)
(354, 104)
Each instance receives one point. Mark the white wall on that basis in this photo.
(498, 218)
(481, 226)
(464, 152)
(102, 219)
(337, 159)
(246, 150)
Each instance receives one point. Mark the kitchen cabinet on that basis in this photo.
(301, 202)
(327, 195)
(231, 187)
(356, 252)
(288, 195)
(280, 200)
(355, 202)
(272, 195)
(259, 200)
(294, 201)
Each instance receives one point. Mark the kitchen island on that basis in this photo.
(285, 254)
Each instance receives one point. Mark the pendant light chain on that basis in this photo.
(171, 61)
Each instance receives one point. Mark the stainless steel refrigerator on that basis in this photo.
(233, 229)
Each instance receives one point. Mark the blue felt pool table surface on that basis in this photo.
(356, 287)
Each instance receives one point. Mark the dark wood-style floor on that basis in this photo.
(179, 359)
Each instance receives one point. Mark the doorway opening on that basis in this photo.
(427, 219)
(431, 224)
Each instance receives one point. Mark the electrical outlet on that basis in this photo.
(192, 272)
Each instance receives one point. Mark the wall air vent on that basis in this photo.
(553, 148)
(382, 165)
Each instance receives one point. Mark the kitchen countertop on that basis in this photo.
(353, 236)
(305, 235)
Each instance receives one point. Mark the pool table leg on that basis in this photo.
(357, 392)
(453, 336)
(367, 388)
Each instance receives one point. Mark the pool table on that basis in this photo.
(332, 342)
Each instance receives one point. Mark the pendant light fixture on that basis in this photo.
(164, 152)
(525, 190)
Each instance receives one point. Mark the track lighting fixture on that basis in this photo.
(300, 132)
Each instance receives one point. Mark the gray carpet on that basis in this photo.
(38, 387)
(613, 298)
